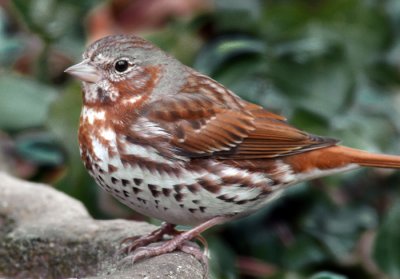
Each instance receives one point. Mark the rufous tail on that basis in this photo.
(337, 156)
(368, 159)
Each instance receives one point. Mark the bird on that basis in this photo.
(176, 145)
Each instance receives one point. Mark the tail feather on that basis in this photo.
(367, 159)
(339, 158)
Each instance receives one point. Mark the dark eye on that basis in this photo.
(121, 65)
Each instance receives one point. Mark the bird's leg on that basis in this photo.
(180, 242)
(136, 242)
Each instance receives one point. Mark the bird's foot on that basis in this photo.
(134, 243)
(164, 247)
(177, 243)
(149, 246)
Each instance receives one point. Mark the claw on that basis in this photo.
(136, 242)
(147, 246)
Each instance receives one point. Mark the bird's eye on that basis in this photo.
(121, 65)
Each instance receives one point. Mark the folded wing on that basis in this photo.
(203, 123)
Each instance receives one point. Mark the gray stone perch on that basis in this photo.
(47, 234)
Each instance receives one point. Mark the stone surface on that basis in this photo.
(46, 234)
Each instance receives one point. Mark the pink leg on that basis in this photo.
(140, 241)
(179, 242)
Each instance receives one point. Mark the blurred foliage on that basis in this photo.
(331, 66)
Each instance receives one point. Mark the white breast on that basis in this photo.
(164, 194)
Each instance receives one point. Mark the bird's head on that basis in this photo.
(119, 69)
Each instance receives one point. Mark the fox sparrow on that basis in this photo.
(178, 146)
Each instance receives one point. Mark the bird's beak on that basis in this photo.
(84, 71)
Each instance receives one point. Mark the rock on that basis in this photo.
(47, 234)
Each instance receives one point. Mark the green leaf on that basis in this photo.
(338, 228)
(24, 103)
(327, 275)
(245, 77)
(371, 121)
(40, 148)
(216, 53)
(178, 40)
(305, 119)
(9, 46)
(237, 15)
(386, 249)
(238, 63)
(48, 18)
(223, 263)
(320, 86)
(302, 252)
(252, 7)
(63, 123)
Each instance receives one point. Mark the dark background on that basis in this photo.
(331, 66)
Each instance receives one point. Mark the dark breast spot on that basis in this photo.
(166, 191)
(114, 180)
(194, 188)
(136, 190)
(153, 189)
(178, 197)
(111, 168)
(137, 181)
(226, 198)
(242, 202)
(178, 187)
(125, 182)
(141, 200)
(209, 185)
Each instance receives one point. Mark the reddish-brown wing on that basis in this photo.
(206, 119)
(274, 137)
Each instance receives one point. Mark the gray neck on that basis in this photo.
(172, 78)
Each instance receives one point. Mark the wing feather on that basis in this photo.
(206, 122)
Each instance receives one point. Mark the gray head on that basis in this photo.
(119, 66)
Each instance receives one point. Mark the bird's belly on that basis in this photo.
(183, 195)
(178, 199)
(177, 192)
